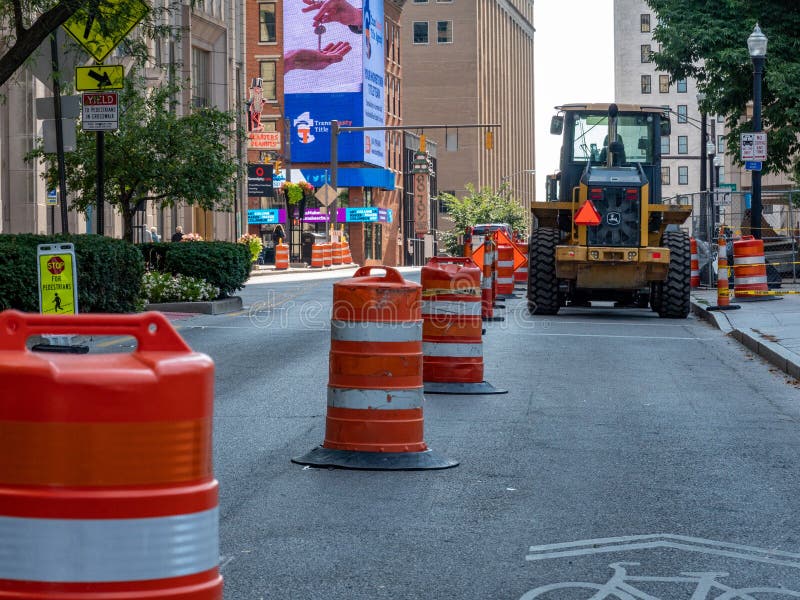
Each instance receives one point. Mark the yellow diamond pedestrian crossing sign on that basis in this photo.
(100, 25)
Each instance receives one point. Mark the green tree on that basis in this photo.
(25, 24)
(481, 206)
(155, 156)
(707, 41)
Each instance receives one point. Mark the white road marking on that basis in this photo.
(600, 335)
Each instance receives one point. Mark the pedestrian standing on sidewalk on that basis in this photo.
(178, 235)
(154, 234)
(278, 235)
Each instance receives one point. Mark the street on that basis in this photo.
(624, 437)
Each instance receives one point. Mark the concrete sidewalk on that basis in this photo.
(769, 328)
(260, 270)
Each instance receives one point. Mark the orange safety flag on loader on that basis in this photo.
(587, 214)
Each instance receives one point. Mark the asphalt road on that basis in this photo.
(623, 438)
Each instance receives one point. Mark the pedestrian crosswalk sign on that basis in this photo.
(58, 281)
(100, 25)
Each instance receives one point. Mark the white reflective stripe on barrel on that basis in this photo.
(750, 280)
(486, 283)
(379, 331)
(502, 280)
(695, 272)
(457, 349)
(505, 263)
(748, 260)
(444, 307)
(98, 550)
(363, 399)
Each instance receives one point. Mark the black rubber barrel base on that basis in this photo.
(507, 296)
(488, 319)
(476, 389)
(374, 461)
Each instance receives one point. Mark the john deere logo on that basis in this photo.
(613, 219)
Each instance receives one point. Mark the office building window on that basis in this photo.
(683, 175)
(720, 118)
(683, 113)
(664, 145)
(420, 1)
(646, 84)
(683, 144)
(720, 144)
(664, 175)
(444, 32)
(647, 53)
(644, 23)
(266, 22)
(267, 69)
(200, 84)
(443, 1)
(663, 84)
(420, 32)
(680, 85)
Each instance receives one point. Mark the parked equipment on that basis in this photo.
(603, 233)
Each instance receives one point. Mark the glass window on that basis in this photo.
(683, 113)
(440, 1)
(268, 69)
(644, 23)
(200, 84)
(683, 175)
(444, 32)
(635, 131)
(664, 175)
(420, 1)
(680, 85)
(663, 84)
(720, 144)
(266, 22)
(683, 144)
(720, 118)
(646, 84)
(664, 145)
(646, 53)
(420, 32)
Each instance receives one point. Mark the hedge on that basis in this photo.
(222, 264)
(109, 272)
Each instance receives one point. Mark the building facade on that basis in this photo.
(472, 63)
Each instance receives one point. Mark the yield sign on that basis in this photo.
(587, 214)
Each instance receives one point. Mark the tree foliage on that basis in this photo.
(481, 206)
(707, 41)
(25, 24)
(155, 156)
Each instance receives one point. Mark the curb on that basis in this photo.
(773, 353)
(212, 307)
(267, 272)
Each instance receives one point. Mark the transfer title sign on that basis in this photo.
(58, 290)
(334, 70)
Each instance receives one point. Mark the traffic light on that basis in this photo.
(277, 165)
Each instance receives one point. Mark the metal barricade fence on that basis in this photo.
(417, 251)
(730, 211)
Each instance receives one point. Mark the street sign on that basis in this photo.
(326, 195)
(100, 77)
(67, 130)
(723, 198)
(100, 111)
(118, 18)
(58, 279)
(70, 107)
(730, 186)
(52, 198)
(753, 146)
(259, 180)
(752, 165)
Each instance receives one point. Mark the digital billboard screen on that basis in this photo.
(334, 70)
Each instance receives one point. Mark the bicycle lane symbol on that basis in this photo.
(622, 585)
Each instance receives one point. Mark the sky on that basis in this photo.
(573, 62)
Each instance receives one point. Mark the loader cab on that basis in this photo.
(635, 142)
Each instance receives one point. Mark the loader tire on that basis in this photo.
(542, 282)
(676, 289)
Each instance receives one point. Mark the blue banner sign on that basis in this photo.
(364, 214)
(752, 165)
(266, 216)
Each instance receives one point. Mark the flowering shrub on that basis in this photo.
(294, 192)
(164, 287)
(253, 243)
(191, 237)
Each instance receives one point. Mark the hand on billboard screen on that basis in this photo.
(315, 60)
(334, 11)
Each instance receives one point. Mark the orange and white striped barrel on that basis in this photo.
(336, 253)
(521, 273)
(695, 264)
(106, 482)
(723, 290)
(375, 392)
(452, 346)
(281, 256)
(467, 249)
(749, 268)
(347, 258)
(487, 304)
(317, 260)
(505, 270)
(327, 254)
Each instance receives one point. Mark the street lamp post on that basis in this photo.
(757, 46)
(507, 178)
(703, 157)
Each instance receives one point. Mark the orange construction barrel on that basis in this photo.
(317, 261)
(452, 345)
(505, 270)
(281, 256)
(694, 264)
(375, 395)
(107, 489)
(749, 268)
(521, 273)
(327, 254)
